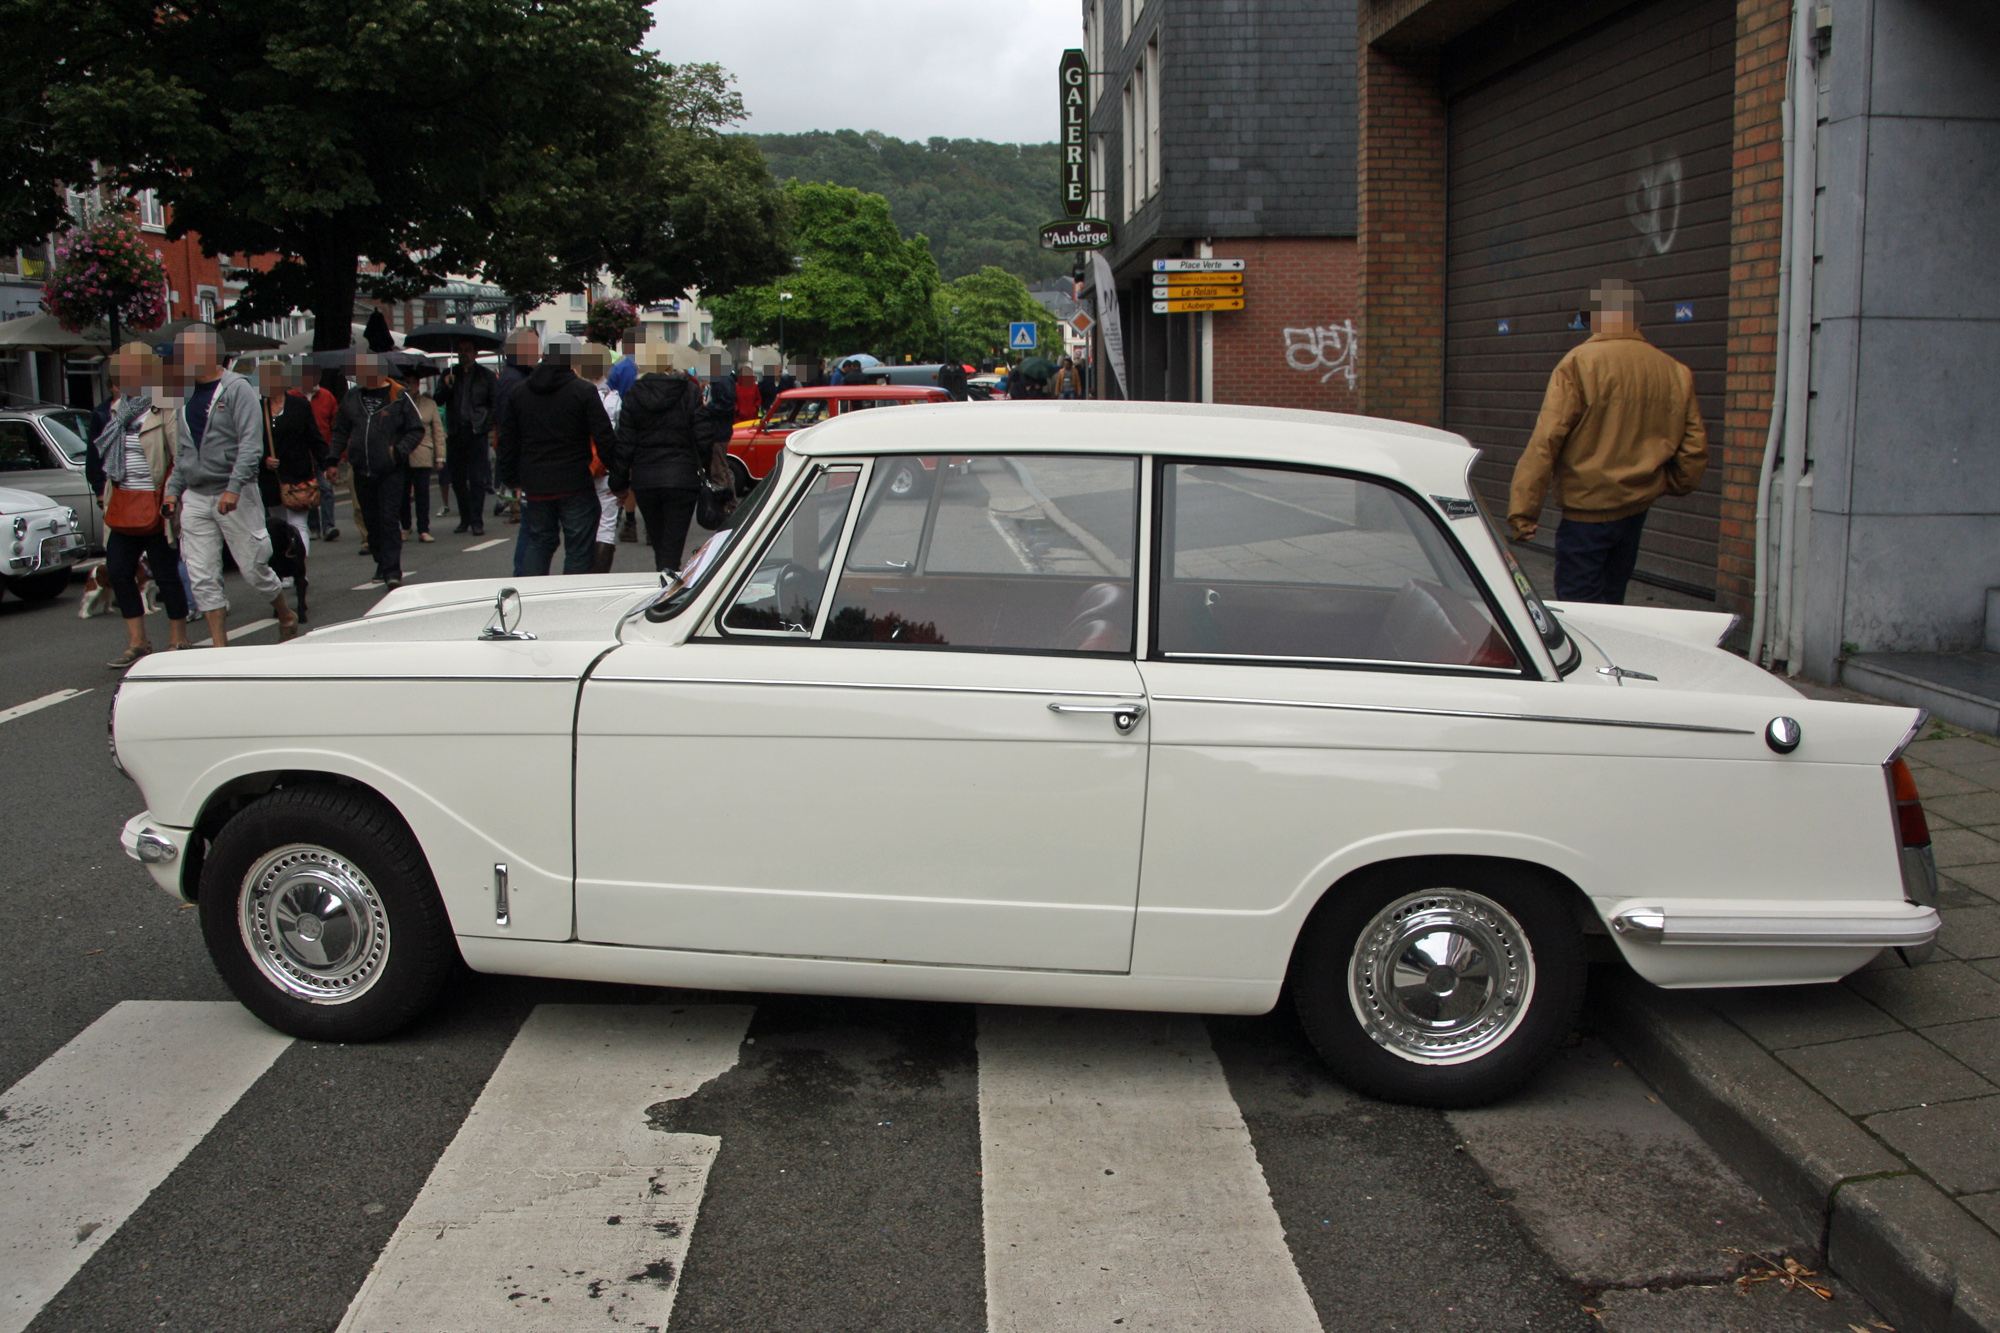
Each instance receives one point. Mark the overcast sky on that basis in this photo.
(911, 68)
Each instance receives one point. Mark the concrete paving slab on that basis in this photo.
(1765, 1307)
(1782, 1016)
(1989, 966)
(1984, 1206)
(1971, 809)
(1926, 1263)
(1956, 847)
(1971, 932)
(1615, 1187)
(1977, 1044)
(1957, 1144)
(1985, 774)
(1955, 752)
(1885, 1073)
(1983, 879)
(1932, 782)
(1935, 993)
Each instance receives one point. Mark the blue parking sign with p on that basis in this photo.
(1021, 336)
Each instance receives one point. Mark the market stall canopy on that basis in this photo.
(42, 332)
(446, 337)
(303, 343)
(468, 298)
(233, 340)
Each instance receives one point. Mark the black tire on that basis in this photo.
(405, 952)
(908, 479)
(739, 476)
(1496, 1046)
(40, 587)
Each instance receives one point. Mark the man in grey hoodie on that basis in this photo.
(221, 448)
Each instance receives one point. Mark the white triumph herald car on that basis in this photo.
(1135, 706)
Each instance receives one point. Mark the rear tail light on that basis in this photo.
(1912, 829)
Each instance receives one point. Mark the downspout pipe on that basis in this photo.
(1760, 620)
(1803, 188)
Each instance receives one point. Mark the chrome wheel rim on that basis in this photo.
(1441, 977)
(314, 924)
(903, 481)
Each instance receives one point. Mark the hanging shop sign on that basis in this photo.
(1073, 77)
(1083, 234)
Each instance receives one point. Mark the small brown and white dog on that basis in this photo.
(97, 596)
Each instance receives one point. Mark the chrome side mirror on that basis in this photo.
(506, 618)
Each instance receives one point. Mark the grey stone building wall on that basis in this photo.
(1904, 443)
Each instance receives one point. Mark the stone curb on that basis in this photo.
(1926, 1263)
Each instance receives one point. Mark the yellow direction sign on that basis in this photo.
(1195, 279)
(1196, 293)
(1195, 307)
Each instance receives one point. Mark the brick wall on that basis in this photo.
(1755, 222)
(1401, 180)
(1292, 344)
(188, 270)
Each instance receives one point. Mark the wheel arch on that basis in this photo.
(234, 794)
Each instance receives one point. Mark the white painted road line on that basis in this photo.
(1120, 1183)
(234, 632)
(36, 705)
(90, 1133)
(495, 541)
(558, 1206)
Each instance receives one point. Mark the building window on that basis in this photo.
(82, 204)
(1128, 196)
(1152, 139)
(205, 299)
(671, 331)
(1096, 208)
(1093, 35)
(707, 332)
(576, 300)
(152, 213)
(538, 325)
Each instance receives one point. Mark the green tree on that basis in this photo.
(535, 141)
(857, 285)
(973, 313)
(980, 203)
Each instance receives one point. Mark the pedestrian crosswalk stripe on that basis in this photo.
(36, 705)
(558, 1203)
(1120, 1184)
(491, 541)
(87, 1135)
(234, 632)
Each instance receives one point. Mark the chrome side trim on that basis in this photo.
(1913, 927)
(1511, 672)
(869, 685)
(1454, 712)
(224, 680)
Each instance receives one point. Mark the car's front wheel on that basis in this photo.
(1439, 983)
(40, 587)
(319, 910)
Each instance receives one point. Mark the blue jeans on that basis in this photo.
(1594, 560)
(571, 519)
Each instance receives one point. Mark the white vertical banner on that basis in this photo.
(1107, 317)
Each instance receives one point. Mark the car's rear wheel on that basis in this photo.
(40, 587)
(739, 475)
(907, 479)
(320, 912)
(1444, 982)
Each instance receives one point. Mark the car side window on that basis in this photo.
(799, 412)
(20, 448)
(1022, 552)
(782, 595)
(1294, 565)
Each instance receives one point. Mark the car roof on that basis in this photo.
(918, 391)
(1432, 462)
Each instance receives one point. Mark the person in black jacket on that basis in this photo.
(666, 444)
(375, 429)
(470, 396)
(546, 429)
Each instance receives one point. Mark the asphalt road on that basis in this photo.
(838, 1164)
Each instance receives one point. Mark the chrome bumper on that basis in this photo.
(1889, 926)
(157, 847)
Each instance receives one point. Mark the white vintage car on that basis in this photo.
(40, 544)
(1138, 706)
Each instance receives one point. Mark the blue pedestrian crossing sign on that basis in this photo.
(1021, 336)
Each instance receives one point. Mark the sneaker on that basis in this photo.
(425, 537)
(330, 535)
(461, 528)
(392, 581)
(478, 531)
(128, 657)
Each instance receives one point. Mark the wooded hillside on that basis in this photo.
(980, 203)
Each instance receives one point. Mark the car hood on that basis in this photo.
(581, 607)
(1678, 647)
(23, 502)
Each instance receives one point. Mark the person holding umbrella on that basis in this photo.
(431, 452)
(376, 429)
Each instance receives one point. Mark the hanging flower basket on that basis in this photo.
(606, 320)
(104, 269)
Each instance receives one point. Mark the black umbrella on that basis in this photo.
(338, 358)
(1036, 368)
(232, 340)
(376, 333)
(409, 365)
(446, 337)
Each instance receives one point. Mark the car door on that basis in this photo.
(63, 435)
(29, 462)
(938, 756)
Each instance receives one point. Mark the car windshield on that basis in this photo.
(794, 413)
(1546, 624)
(68, 428)
(684, 586)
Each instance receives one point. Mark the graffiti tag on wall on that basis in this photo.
(1327, 348)
(1653, 200)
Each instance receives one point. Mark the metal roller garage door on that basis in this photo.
(1605, 156)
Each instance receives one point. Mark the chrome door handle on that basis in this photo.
(1123, 716)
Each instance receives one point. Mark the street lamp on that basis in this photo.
(782, 298)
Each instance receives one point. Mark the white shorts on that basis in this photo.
(607, 513)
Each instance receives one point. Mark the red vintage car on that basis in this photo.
(754, 445)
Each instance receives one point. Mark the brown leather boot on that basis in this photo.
(601, 555)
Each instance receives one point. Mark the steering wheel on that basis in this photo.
(794, 581)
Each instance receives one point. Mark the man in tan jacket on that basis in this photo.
(1619, 428)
